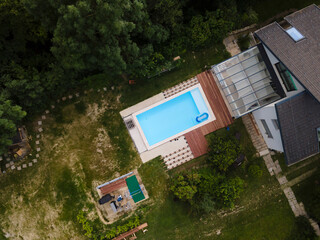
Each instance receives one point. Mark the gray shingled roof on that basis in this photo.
(299, 117)
(302, 58)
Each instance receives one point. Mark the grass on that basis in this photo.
(299, 168)
(269, 9)
(262, 212)
(304, 189)
(304, 192)
(193, 63)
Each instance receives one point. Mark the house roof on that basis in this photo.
(299, 117)
(301, 57)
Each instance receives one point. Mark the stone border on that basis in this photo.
(20, 165)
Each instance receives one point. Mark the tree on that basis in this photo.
(23, 87)
(212, 27)
(100, 36)
(10, 115)
(229, 190)
(168, 13)
(185, 186)
(19, 32)
(222, 152)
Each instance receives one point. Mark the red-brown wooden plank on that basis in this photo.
(196, 138)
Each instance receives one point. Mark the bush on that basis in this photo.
(184, 187)
(255, 171)
(244, 42)
(222, 152)
(229, 191)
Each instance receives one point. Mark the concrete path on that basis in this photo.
(262, 148)
(300, 178)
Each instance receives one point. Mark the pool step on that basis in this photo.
(178, 157)
(180, 87)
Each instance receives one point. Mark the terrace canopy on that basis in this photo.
(246, 82)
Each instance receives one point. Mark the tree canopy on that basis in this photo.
(222, 152)
(10, 115)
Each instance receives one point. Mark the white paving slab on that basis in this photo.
(39, 123)
(40, 130)
(30, 164)
(163, 149)
(141, 105)
(38, 149)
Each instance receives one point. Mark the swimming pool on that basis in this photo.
(174, 116)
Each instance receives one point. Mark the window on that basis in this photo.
(286, 77)
(266, 128)
(275, 124)
(294, 34)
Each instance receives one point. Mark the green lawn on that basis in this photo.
(261, 213)
(299, 168)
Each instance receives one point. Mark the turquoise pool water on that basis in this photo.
(172, 117)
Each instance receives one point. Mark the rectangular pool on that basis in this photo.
(173, 116)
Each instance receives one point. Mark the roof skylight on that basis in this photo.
(294, 34)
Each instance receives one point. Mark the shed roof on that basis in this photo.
(299, 117)
(302, 58)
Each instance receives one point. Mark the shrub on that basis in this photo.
(185, 186)
(255, 171)
(229, 190)
(244, 42)
(222, 152)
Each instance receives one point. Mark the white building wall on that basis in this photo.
(273, 61)
(269, 112)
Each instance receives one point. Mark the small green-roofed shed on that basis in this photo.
(134, 189)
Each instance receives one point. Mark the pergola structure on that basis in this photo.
(131, 233)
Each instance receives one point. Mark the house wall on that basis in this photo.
(268, 113)
(273, 61)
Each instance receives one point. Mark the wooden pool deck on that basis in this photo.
(196, 138)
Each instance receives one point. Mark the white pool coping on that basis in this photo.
(210, 119)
